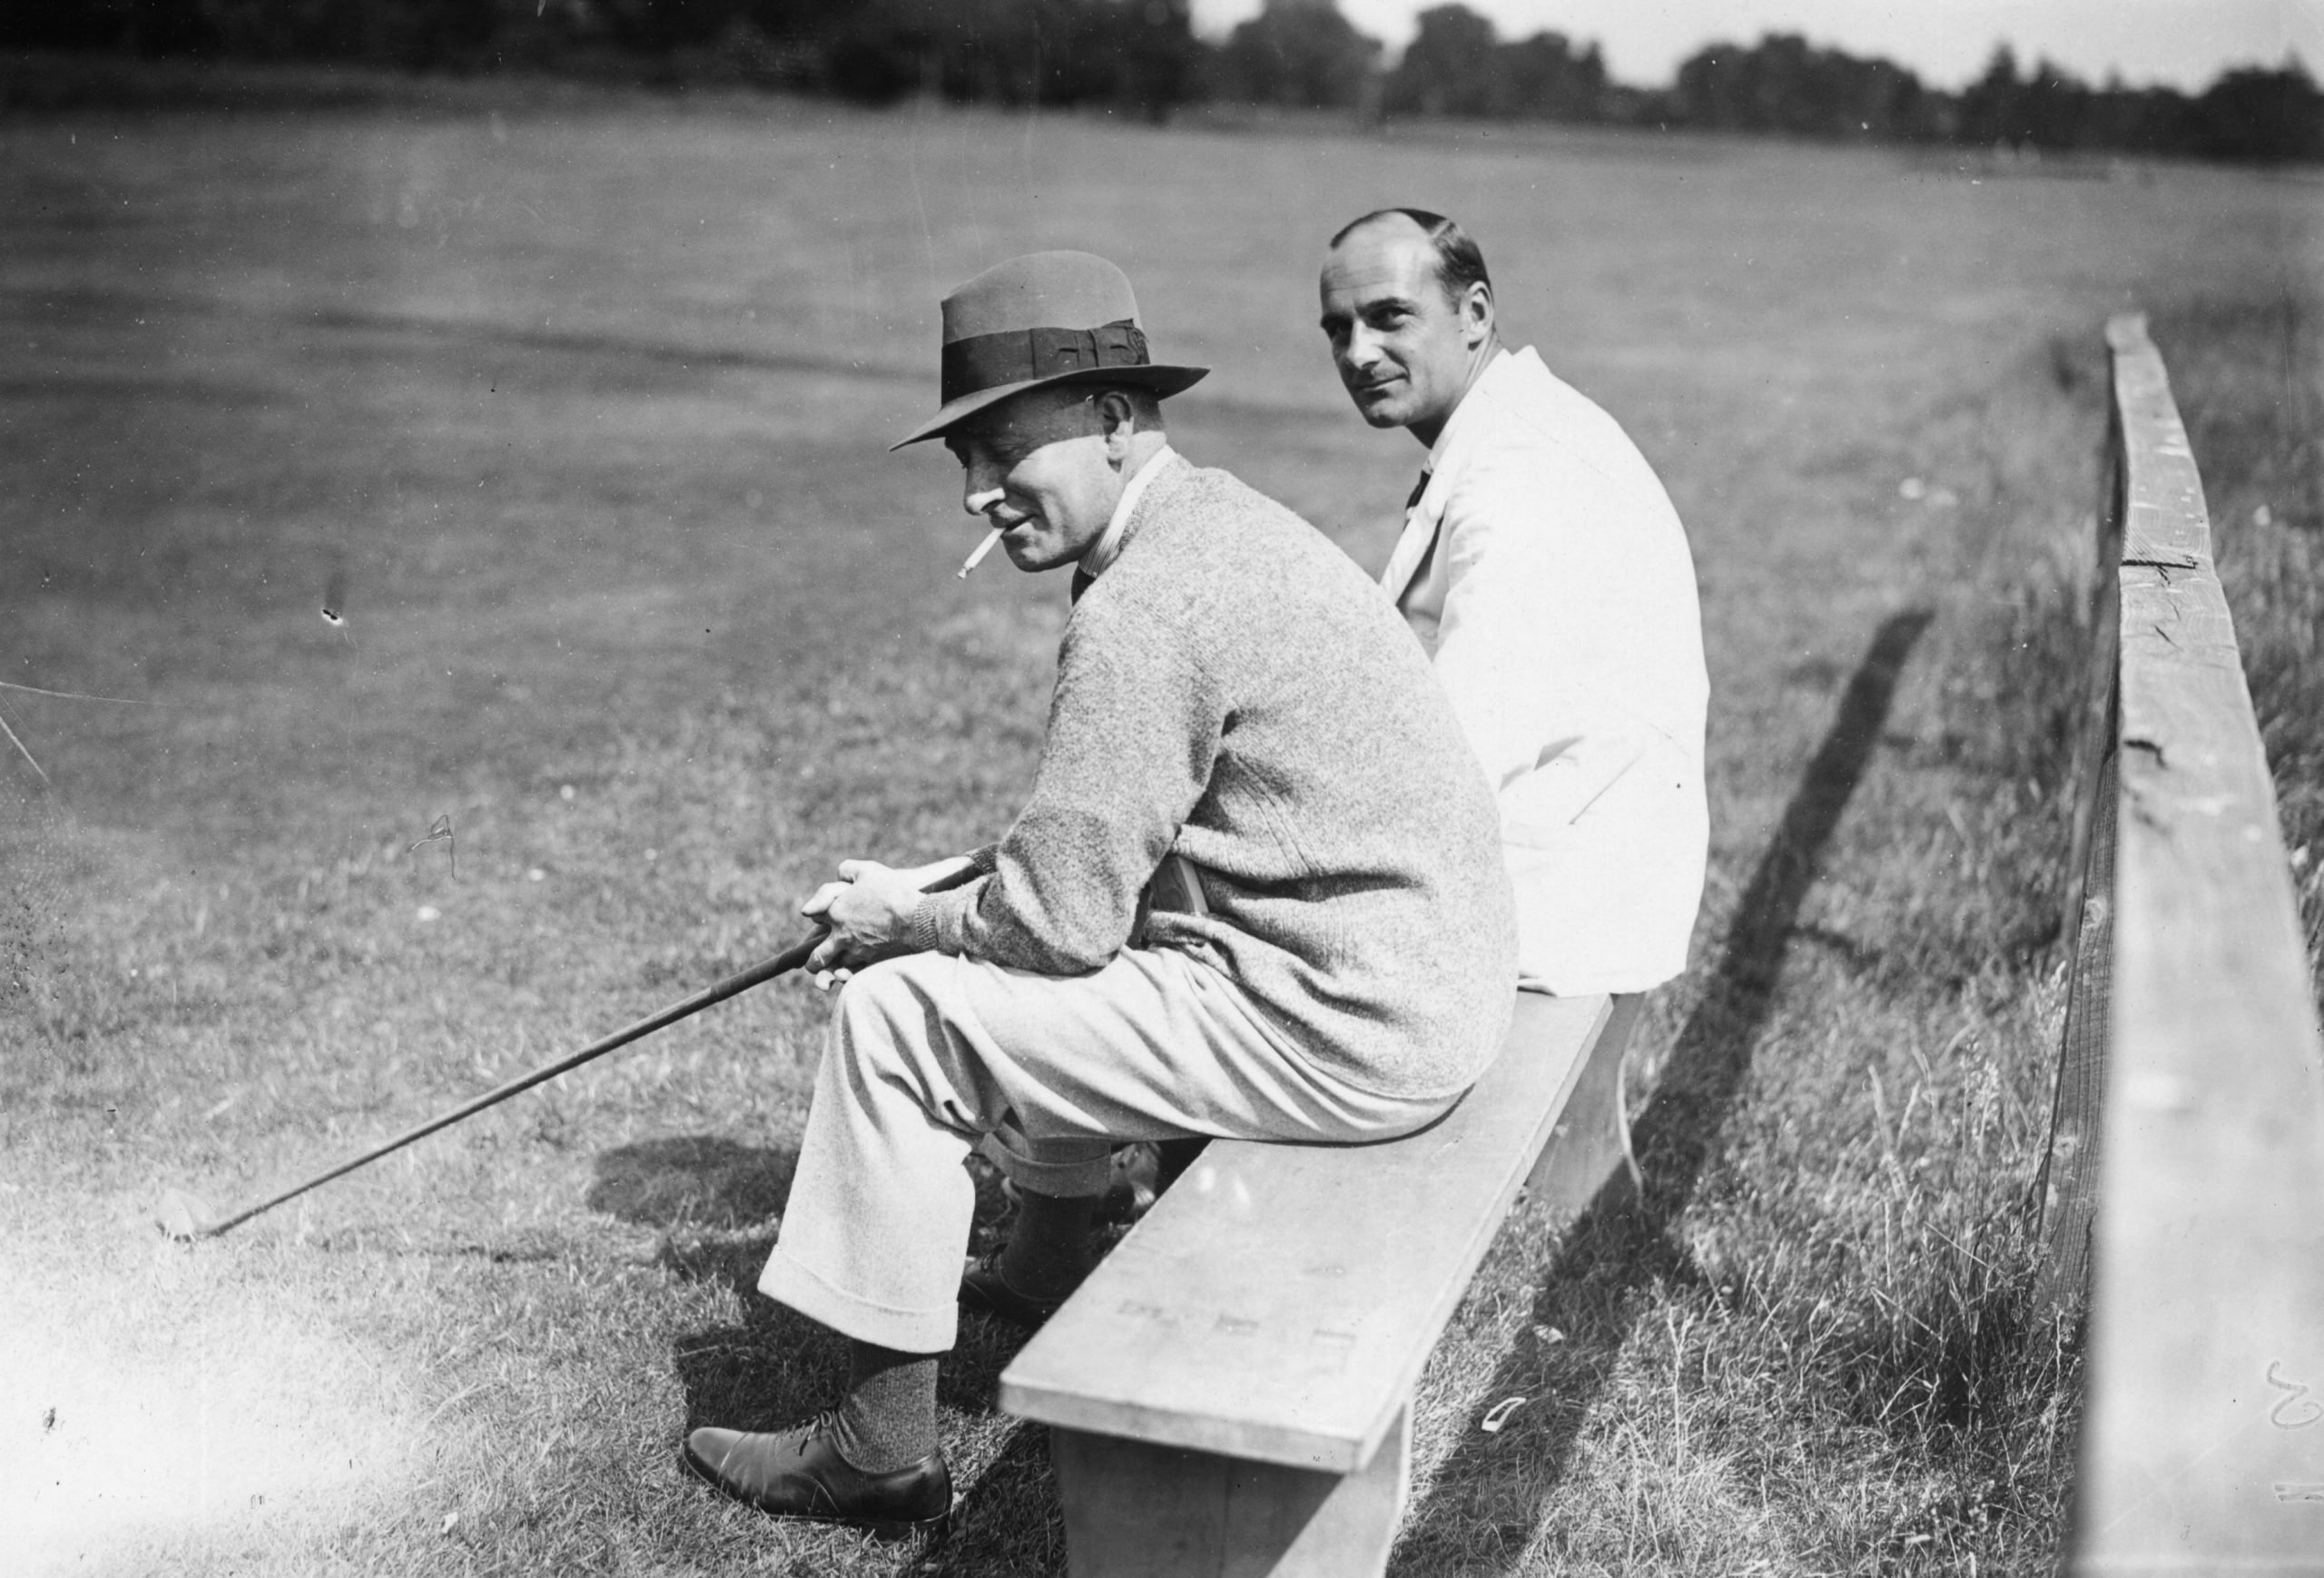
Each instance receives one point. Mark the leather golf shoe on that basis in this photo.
(798, 1474)
(985, 1290)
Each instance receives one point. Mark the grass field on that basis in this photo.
(583, 404)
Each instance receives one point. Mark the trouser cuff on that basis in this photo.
(911, 1331)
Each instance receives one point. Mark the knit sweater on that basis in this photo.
(1234, 689)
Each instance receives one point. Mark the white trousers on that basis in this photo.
(931, 1055)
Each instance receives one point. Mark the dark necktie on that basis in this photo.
(1082, 581)
(1419, 487)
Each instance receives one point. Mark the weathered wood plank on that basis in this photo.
(1278, 1302)
(2066, 1187)
(1589, 1141)
(2203, 1434)
(2163, 521)
(1135, 1510)
(2093, 745)
(2071, 1173)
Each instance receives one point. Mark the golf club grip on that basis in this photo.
(766, 970)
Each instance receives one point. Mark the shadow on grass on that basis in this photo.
(1621, 1246)
(698, 1180)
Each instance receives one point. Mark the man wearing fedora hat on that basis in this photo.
(1231, 693)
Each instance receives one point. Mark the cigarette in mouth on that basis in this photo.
(977, 557)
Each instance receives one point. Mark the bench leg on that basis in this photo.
(1133, 1510)
(1588, 1145)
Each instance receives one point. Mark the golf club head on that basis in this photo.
(184, 1217)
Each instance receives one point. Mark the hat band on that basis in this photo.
(984, 361)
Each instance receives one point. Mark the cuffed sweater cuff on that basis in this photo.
(919, 927)
(940, 922)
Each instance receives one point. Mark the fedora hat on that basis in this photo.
(1046, 318)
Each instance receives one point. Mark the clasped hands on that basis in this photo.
(864, 916)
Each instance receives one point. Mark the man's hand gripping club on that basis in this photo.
(866, 913)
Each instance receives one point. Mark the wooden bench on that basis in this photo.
(1230, 1393)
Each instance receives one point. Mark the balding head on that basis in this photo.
(1409, 311)
(1460, 261)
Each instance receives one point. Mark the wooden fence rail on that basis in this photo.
(2192, 1071)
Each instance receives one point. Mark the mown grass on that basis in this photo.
(585, 405)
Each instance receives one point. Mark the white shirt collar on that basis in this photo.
(1108, 545)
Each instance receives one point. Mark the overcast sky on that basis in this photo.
(2181, 42)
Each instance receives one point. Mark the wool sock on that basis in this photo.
(1048, 1253)
(888, 1420)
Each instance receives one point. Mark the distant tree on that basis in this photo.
(96, 24)
(1784, 83)
(653, 27)
(2053, 108)
(1298, 52)
(876, 52)
(2123, 119)
(1894, 102)
(1709, 90)
(1546, 76)
(2248, 113)
(1448, 67)
(1137, 54)
(1990, 110)
(412, 34)
(2265, 116)
(158, 27)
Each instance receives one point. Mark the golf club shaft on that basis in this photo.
(766, 970)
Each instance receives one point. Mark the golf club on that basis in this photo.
(184, 1216)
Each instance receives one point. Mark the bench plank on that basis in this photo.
(1135, 1510)
(1590, 1140)
(1278, 1303)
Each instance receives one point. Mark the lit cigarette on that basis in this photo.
(983, 548)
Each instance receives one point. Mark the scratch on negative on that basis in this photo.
(62, 696)
(12, 740)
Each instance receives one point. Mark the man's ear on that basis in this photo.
(1476, 314)
(1117, 420)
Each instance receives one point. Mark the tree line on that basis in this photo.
(1144, 56)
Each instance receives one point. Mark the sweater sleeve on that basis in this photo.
(1134, 727)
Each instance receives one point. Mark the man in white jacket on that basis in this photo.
(1543, 567)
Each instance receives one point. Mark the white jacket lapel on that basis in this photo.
(1412, 548)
